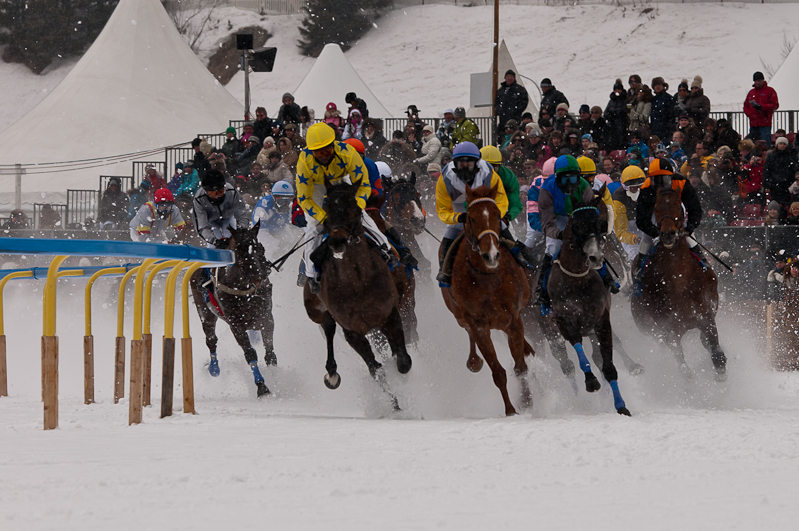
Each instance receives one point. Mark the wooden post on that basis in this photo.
(167, 376)
(88, 369)
(188, 375)
(50, 380)
(3, 367)
(119, 369)
(136, 381)
(148, 365)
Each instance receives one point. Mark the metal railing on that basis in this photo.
(81, 204)
(268, 7)
(139, 171)
(54, 215)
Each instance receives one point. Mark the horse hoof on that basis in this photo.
(636, 370)
(510, 412)
(263, 390)
(332, 382)
(270, 358)
(213, 368)
(591, 383)
(624, 411)
(475, 364)
(404, 364)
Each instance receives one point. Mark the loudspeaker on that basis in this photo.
(244, 41)
(263, 59)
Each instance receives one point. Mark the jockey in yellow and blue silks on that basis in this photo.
(326, 160)
(466, 168)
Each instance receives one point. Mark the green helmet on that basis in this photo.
(566, 164)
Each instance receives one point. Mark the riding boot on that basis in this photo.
(543, 295)
(520, 251)
(638, 275)
(406, 258)
(444, 280)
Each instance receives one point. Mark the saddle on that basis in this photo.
(322, 254)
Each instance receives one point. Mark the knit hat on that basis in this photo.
(269, 139)
(533, 129)
(697, 82)
(618, 85)
(178, 166)
(584, 108)
(546, 82)
(660, 81)
(588, 136)
(511, 72)
(287, 95)
(774, 206)
(562, 106)
(782, 140)
(758, 76)
(459, 112)
(683, 84)
(511, 124)
(290, 127)
(433, 167)
(428, 128)
(255, 139)
(231, 130)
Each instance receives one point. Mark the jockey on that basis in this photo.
(662, 174)
(535, 236)
(625, 201)
(155, 216)
(466, 168)
(217, 206)
(327, 161)
(371, 167)
(273, 210)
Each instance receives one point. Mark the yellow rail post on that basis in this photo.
(50, 346)
(147, 336)
(185, 343)
(88, 338)
(3, 366)
(137, 346)
(168, 344)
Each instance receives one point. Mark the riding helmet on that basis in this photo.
(567, 174)
(163, 195)
(660, 172)
(587, 166)
(357, 144)
(283, 188)
(384, 170)
(320, 135)
(491, 154)
(632, 176)
(466, 149)
(213, 180)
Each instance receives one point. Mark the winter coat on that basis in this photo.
(191, 181)
(263, 129)
(692, 135)
(431, 151)
(640, 110)
(289, 114)
(698, 107)
(551, 99)
(598, 131)
(778, 173)
(244, 160)
(728, 137)
(290, 155)
(277, 172)
(209, 214)
(766, 97)
(373, 144)
(465, 130)
(352, 130)
(147, 226)
(263, 156)
(510, 102)
(113, 205)
(233, 147)
(616, 118)
(559, 124)
(661, 117)
(334, 120)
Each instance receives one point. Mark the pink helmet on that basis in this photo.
(549, 167)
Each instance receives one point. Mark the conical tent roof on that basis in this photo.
(506, 63)
(330, 79)
(139, 87)
(786, 80)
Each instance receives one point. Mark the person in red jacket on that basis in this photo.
(760, 104)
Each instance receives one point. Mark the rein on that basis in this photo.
(477, 238)
(231, 291)
(573, 275)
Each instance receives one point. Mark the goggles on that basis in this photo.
(573, 178)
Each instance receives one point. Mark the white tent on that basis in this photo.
(139, 87)
(506, 63)
(786, 80)
(330, 79)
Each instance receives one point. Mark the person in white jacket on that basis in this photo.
(431, 148)
(354, 126)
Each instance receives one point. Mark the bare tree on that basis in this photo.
(787, 47)
(191, 17)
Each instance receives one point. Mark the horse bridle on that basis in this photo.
(474, 241)
(677, 221)
(579, 247)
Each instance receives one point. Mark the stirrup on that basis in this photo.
(444, 280)
(314, 285)
(389, 257)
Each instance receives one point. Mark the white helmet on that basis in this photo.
(384, 170)
(283, 188)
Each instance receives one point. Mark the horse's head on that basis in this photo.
(482, 225)
(250, 258)
(343, 220)
(405, 206)
(589, 229)
(669, 216)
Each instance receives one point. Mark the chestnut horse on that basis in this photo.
(580, 301)
(488, 292)
(406, 214)
(357, 290)
(678, 293)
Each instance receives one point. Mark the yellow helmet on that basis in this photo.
(587, 166)
(633, 176)
(491, 154)
(320, 135)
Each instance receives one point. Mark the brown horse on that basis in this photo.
(405, 213)
(678, 292)
(580, 301)
(357, 290)
(488, 292)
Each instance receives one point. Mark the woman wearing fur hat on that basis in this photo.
(697, 104)
(354, 127)
(641, 108)
(616, 118)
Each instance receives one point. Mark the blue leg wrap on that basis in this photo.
(256, 373)
(213, 366)
(618, 401)
(584, 364)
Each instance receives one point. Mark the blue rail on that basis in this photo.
(40, 273)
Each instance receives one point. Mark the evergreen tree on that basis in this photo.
(337, 21)
(36, 32)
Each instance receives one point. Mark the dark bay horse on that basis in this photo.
(580, 301)
(357, 291)
(489, 290)
(405, 213)
(678, 293)
(244, 294)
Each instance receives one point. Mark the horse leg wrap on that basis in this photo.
(256, 373)
(584, 363)
(213, 365)
(618, 401)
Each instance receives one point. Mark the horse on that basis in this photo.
(244, 295)
(357, 290)
(405, 212)
(580, 302)
(678, 292)
(404, 278)
(488, 291)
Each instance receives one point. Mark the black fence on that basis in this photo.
(49, 216)
(127, 182)
(81, 205)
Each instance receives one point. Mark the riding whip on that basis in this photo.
(431, 234)
(713, 255)
(277, 264)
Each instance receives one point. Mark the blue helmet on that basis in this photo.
(567, 164)
(465, 149)
(283, 188)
